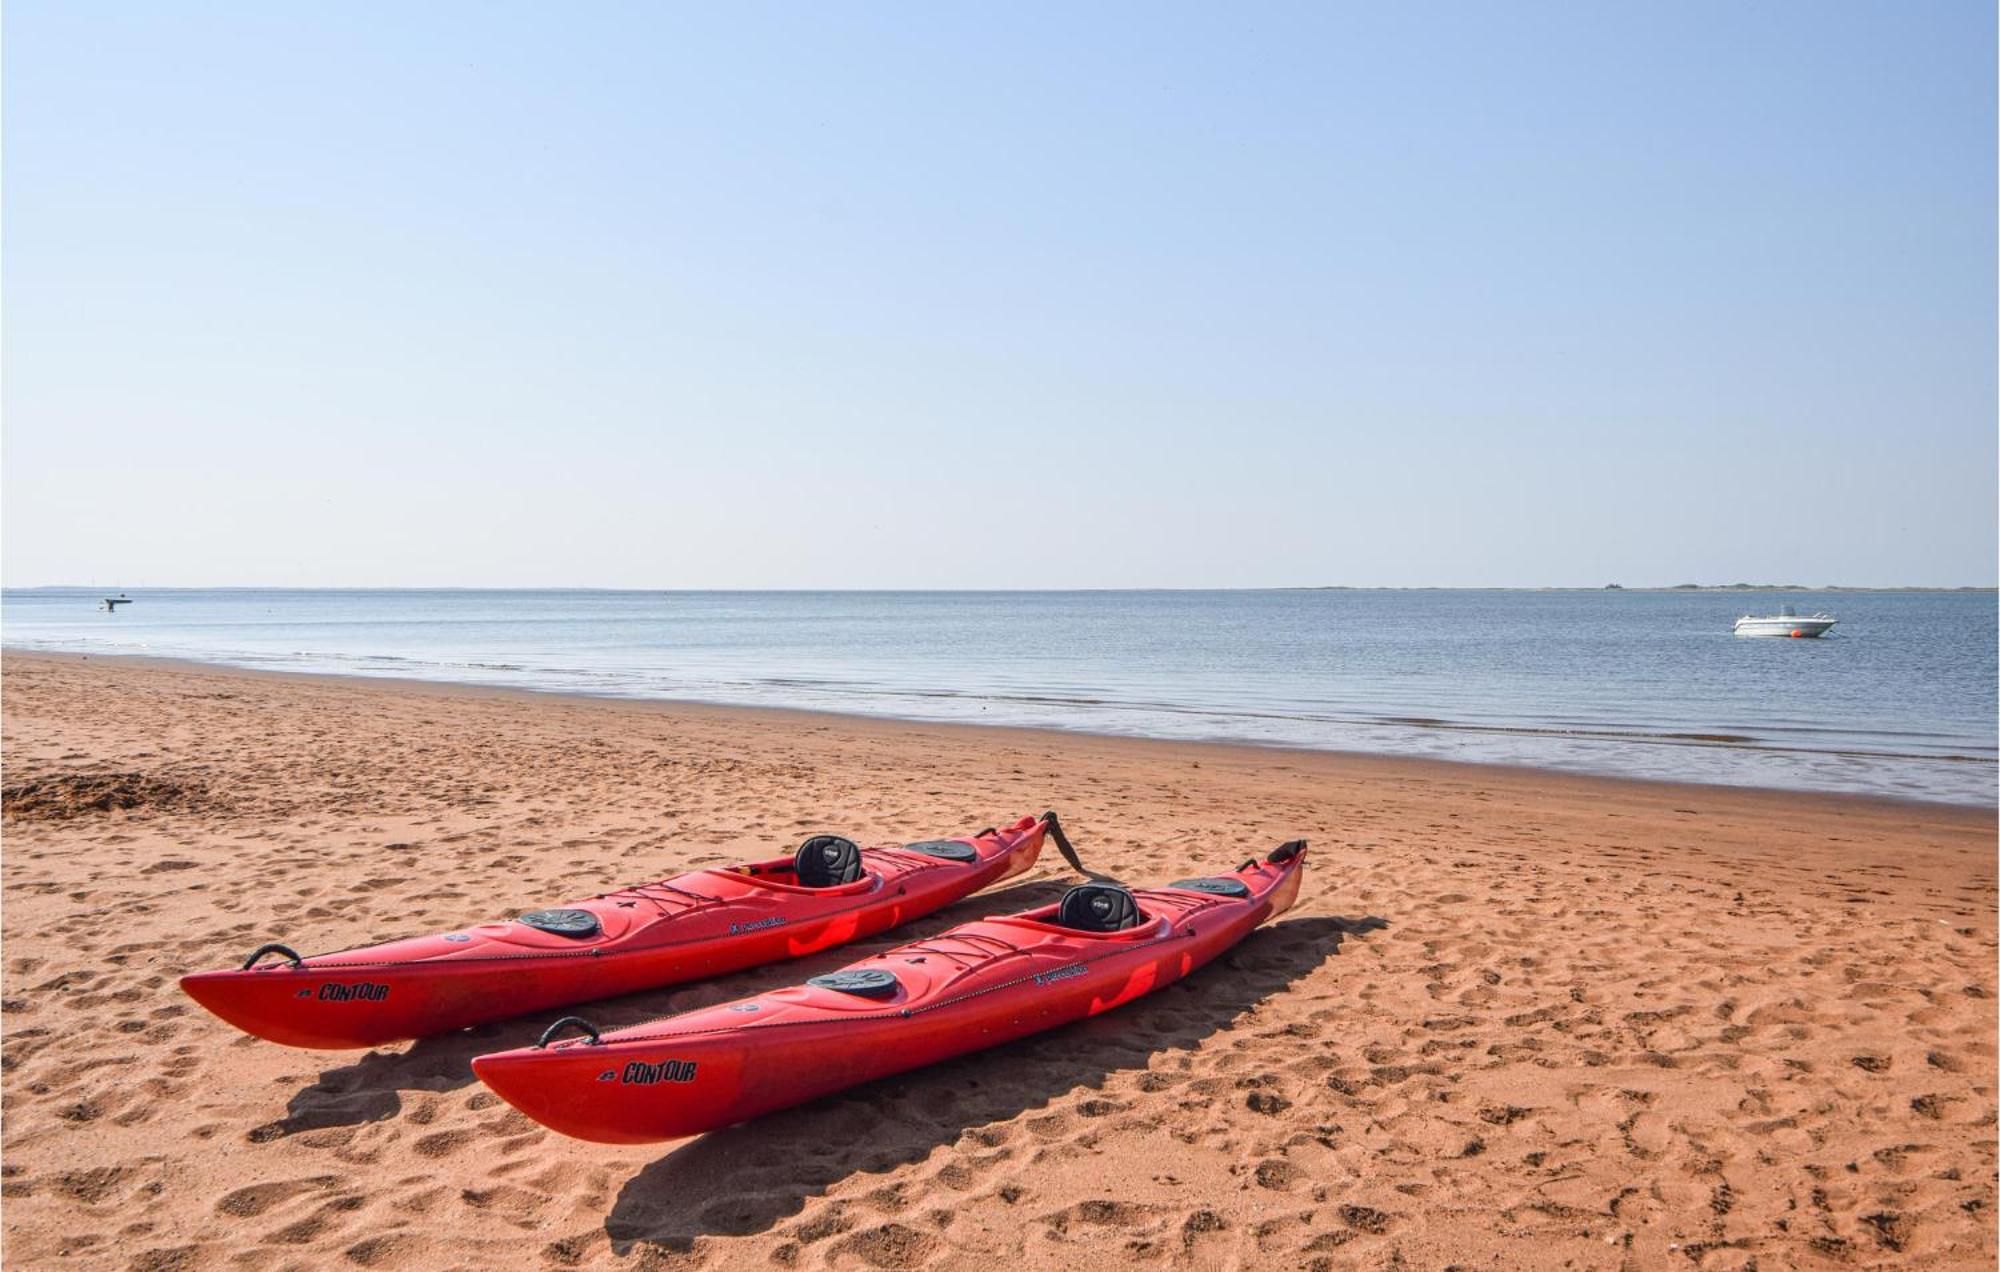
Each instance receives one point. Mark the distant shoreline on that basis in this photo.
(93, 589)
(1620, 587)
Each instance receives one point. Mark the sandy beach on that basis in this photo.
(1518, 1019)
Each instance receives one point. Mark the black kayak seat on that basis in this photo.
(827, 861)
(1097, 907)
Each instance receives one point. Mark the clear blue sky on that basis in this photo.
(1014, 295)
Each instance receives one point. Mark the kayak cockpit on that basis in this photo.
(781, 875)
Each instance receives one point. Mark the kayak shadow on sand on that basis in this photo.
(370, 1089)
(747, 1178)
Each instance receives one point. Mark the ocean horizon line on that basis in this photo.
(999, 590)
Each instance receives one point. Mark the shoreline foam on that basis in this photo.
(417, 683)
(1649, 686)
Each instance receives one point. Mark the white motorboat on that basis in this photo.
(1785, 623)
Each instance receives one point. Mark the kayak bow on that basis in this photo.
(975, 986)
(703, 923)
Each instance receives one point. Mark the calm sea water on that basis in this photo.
(1899, 700)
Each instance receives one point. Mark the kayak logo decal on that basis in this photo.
(1059, 974)
(737, 929)
(640, 1073)
(359, 992)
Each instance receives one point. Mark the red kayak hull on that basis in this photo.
(704, 923)
(978, 985)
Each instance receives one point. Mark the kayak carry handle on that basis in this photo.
(273, 948)
(1286, 851)
(1055, 832)
(1279, 856)
(596, 1040)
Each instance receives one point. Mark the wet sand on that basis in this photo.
(1518, 1018)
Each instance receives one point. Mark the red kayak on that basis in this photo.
(978, 985)
(704, 923)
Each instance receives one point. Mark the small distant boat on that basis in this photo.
(111, 603)
(1785, 623)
